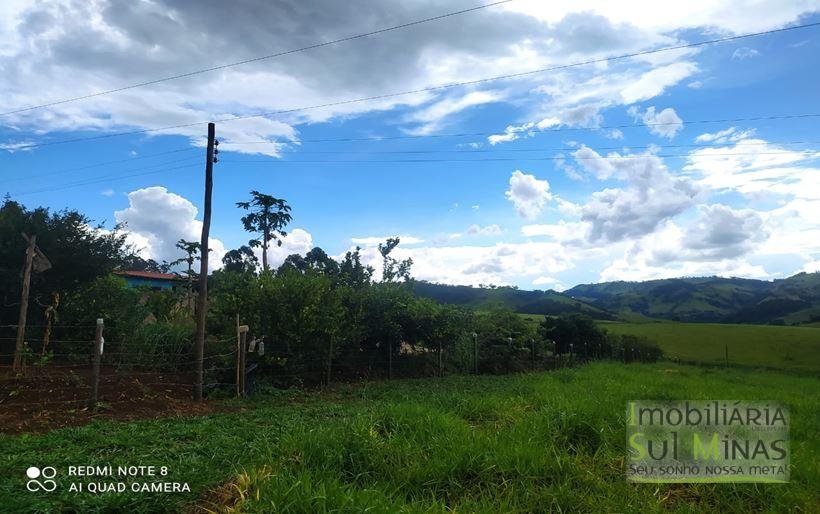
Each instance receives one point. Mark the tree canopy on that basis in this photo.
(268, 217)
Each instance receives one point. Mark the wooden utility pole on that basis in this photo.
(202, 298)
(21, 322)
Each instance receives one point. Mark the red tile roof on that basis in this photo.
(148, 274)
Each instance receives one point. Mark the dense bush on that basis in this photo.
(578, 336)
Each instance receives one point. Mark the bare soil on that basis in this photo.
(53, 396)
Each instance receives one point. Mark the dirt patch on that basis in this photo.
(55, 396)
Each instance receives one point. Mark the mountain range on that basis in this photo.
(793, 300)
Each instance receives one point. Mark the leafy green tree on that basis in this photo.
(315, 261)
(134, 262)
(240, 260)
(268, 217)
(352, 272)
(573, 333)
(192, 250)
(79, 251)
(393, 269)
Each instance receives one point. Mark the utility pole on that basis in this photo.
(202, 297)
(21, 322)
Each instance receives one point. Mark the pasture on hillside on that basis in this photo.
(770, 346)
(534, 442)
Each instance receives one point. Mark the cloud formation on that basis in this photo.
(156, 219)
(528, 194)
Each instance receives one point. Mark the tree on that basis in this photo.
(240, 260)
(393, 269)
(79, 251)
(136, 263)
(268, 217)
(316, 261)
(192, 250)
(573, 333)
(352, 272)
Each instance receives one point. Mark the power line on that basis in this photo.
(256, 59)
(568, 149)
(105, 163)
(553, 149)
(97, 180)
(526, 132)
(115, 177)
(441, 87)
(493, 159)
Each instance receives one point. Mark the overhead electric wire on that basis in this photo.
(534, 131)
(553, 149)
(257, 59)
(491, 159)
(98, 164)
(109, 178)
(128, 173)
(444, 86)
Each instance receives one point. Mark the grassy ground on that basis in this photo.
(795, 348)
(527, 443)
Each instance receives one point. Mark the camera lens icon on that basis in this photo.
(34, 473)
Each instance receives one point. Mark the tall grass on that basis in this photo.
(523, 443)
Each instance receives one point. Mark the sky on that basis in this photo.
(688, 162)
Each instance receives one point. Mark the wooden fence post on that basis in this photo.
(390, 360)
(440, 364)
(532, 352)
(726, 347)
(97, 356)
(238, 356)
(243, 337)
(475, 353)
(329, 360)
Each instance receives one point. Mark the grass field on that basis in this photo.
(795, 348)
(526, 443)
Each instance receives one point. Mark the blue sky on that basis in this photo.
(547, 194)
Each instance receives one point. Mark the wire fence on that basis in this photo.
(73, 372)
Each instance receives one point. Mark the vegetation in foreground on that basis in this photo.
(522, 443)
(793, 348)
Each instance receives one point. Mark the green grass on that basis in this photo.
(526, 443)
(793, 348)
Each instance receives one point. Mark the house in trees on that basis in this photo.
(152, 279)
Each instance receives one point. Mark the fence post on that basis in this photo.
(509, 354)
(238, 356)
(475, 352)
(440, 365)
(726, 347)
(532, 352)
(390, 360)
(95, 369)
(243, 338)
(329, 370)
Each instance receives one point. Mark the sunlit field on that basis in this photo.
(550, 441)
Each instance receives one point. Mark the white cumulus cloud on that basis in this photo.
(528, 194)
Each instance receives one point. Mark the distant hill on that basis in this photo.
(525, 302)
(792, 300)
